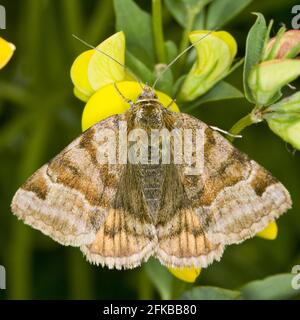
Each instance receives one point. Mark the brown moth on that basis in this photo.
(121, 214)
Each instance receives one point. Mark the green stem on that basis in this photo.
(239, 126)
(189, 26)
(158, 31)
(73, 22)
(30, 36)
(191, 15)
(99, 23)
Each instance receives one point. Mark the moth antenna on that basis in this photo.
(108, 56)
(180, 55)
(129, 101)
(226, 132)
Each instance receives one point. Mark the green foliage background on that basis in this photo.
(39, 116)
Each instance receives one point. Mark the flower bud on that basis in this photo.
(284, 119)
(276, 68)
(267, 79)
(287, 46)
(215, 54)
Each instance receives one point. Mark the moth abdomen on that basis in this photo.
(151, 179)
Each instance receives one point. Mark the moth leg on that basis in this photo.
(170, 104)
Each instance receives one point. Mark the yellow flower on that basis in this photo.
(186, 274)
(6, 51)
(270, 232)
(93, 70)
(215, 54)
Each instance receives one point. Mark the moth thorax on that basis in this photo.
(149, 115)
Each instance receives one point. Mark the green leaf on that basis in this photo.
(171, 50)
(220, 12)
(139, 68)
(199, 23)
(221, 91)
(180, 10)
(137, 27)
(254, 50)
(160, 277)
(210, 293)
(274, 287)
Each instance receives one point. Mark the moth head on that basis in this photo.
(148, 110)
(147, 94)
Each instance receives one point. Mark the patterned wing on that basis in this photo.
(68, 198)
(79, 200)
(231, 200)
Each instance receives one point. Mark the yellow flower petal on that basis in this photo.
(270, 232)
(102, 70)
(79, 74)
(186, 274)
(81, 96)
(228, 38)
(6, 51)
(215, 54)
(107, 101)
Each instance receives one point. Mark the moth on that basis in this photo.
(120, 214)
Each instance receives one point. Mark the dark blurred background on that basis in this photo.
(39, 116)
